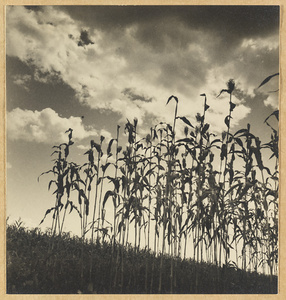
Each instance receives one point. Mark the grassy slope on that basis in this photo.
(34, 267)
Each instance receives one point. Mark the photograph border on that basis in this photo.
(282, 135)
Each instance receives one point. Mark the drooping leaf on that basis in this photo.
(275, 113)
(267, 170)
(185, 120)
(222, 91)
(97, 147)
(49, 186)
(106, 196)
(267, 79)
(275, 91)
(241, 131)
(215, 141)
(47, 212)
(170, 98)
(50, 171)
(109, 146)
(104, 167)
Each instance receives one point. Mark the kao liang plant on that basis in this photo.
(168, 198)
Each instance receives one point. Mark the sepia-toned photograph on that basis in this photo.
(142, 149)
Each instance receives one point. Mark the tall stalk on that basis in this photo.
(230, 86)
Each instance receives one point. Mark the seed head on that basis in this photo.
(230, 86)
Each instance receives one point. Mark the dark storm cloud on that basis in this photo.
(233, 18)
(161, 28)
(234, 21)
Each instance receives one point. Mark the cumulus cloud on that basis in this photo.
(106, 134)
(270, 90)
(271, 100)
(83, 147)
(44, 126)
(131, 65)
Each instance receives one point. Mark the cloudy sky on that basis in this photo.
(91, 68)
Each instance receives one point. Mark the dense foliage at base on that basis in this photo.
(38, 263)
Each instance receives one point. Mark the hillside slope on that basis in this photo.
(40, 264)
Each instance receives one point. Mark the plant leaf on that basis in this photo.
(222, 91)
(267, 79)
(106, 196)
(227, 120)
(275, 113)
(232, 106)
(186, 140)
(205, 128)
(170, 98)
(185, 120)
(109, 146)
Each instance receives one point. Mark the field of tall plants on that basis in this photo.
(163, 195)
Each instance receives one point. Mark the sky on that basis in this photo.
(91, 68)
